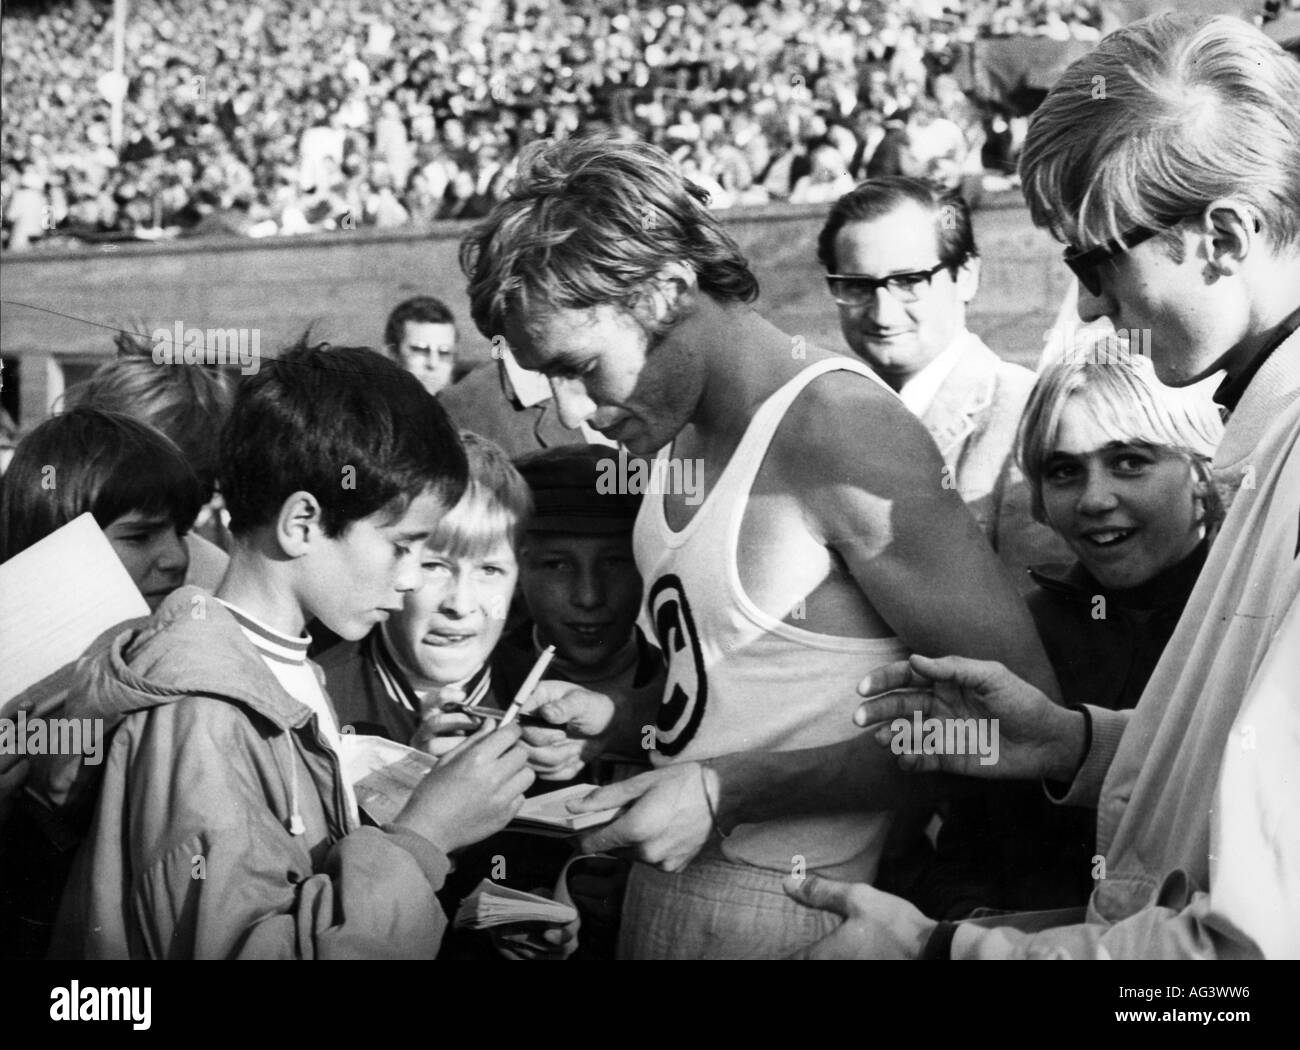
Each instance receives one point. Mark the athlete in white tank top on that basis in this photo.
(740, 679)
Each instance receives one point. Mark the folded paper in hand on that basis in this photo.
(549, 813)
(492, 904)
(384, 774)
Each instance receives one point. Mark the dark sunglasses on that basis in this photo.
(859, 290)
(1084, 262)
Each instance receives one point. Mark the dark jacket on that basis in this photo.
(485, 403)
(364, 704)
(1009, 847)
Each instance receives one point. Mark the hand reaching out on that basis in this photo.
(1036, 737)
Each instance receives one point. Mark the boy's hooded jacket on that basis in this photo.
(220, 826)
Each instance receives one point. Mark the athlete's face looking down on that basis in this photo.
(606, 371)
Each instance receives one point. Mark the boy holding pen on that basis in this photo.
(579, 580)
(440, 648)
(224, 827)
(434, 673)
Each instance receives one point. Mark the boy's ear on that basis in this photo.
(298, 524)
(1228, 229)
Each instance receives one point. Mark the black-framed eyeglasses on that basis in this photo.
(859, 290)
(1084, 262)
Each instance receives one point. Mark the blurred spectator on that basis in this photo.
(420, 334)
(270, 118)
(828, 181)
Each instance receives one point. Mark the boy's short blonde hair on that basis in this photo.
(1163, 117)
(494, 510)
(1130, 405)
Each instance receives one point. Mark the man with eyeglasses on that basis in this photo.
(1198, 830)
(902, 266)
(818, 543)
(1177, 189)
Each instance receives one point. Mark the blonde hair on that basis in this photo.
(1129, 404)
(494, 510)
(1164, 116)
(590, 220)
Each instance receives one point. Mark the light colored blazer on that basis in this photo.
(973, 419)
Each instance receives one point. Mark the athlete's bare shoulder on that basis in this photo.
(848, 428)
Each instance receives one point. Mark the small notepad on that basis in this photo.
(492, 904)
(550, 812)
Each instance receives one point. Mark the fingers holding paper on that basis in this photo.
(473, 792)
(536, 941)
(668, 820)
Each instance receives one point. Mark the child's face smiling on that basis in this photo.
(1126, 510)
(583, 593)
(448, 627)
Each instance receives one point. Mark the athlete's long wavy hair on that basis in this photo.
(589, 221)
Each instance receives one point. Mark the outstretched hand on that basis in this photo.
(667, 821)
(1034, 737)
(876, 925)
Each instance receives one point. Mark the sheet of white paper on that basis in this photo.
(362, 754)
(383, 774)
(56, 598)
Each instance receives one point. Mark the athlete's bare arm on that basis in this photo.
(877, 497)
(878, 500)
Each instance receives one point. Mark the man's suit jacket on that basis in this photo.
(973, 419)
(485, 403)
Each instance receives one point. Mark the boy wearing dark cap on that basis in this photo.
(579, 579)
(580, 582)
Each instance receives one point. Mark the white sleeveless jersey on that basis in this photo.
(740, 679)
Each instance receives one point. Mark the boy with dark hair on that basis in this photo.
(224, 827)
(189, 403)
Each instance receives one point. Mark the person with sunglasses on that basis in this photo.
(902, 265)
(822, 542)
(1198, 836)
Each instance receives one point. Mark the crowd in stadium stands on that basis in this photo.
(279, 117)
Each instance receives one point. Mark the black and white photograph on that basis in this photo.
(610, 480)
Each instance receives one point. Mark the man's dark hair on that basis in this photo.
(343, 423)
(878, 197)
(423, 309)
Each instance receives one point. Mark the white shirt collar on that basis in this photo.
(919, 392)
(532, 388)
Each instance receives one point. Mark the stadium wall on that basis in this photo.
(344, 284)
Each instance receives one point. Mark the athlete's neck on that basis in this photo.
(745, 360)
